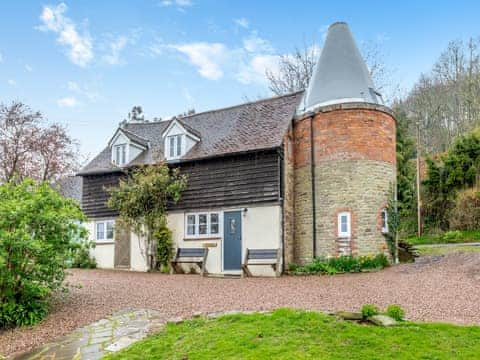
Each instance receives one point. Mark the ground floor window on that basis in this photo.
(203, 224)
(104, 230)
(344, 224)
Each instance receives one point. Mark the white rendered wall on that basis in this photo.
(103, 252)
(261, 229)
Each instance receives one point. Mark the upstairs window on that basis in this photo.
(120, 152)
(174, 146)
(344, 224)
(384, 217)
(203, 225)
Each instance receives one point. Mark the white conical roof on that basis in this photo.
(340, 75)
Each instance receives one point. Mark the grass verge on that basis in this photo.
(289, 334)
(443, 250)
(450, 237)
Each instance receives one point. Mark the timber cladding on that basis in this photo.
(235, 180)
(95, 196)
(231, 181)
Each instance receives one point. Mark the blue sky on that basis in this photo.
(86, 63)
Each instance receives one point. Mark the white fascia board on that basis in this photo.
(186, 132)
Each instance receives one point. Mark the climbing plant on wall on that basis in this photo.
(141, 200)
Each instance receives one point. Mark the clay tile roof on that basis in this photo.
(135, 138)
(258, 125)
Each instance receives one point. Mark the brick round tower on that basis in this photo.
(344, 157)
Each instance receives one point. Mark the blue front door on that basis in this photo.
(232, 240)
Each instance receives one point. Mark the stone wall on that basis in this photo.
(288, 199)
(354, 162)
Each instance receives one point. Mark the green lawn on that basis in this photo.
(288, 334)
(450, 237)
(446, 249)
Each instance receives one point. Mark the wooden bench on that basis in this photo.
(261, 257)
(190, 256)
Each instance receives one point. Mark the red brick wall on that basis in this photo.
(353, 134)
(355, 160)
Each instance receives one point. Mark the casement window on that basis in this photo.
(344, 224)
(174, 146)
(104, 230)
(384, 219)
(205, 224)
(120, 152)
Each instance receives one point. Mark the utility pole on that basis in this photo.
(419, 200)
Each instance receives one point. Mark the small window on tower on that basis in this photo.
(344, 224)
(384, 216)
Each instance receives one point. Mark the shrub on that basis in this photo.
(395, 312)
(341, 264)
(37, 226)
(369, 310)
(164, 246)
(466, 214)
(80, 255)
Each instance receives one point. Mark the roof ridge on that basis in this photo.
(224, 108)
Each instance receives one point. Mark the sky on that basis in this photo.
(85, 64)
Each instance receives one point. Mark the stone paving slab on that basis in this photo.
(94, 341)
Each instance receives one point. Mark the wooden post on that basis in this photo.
(419, 203)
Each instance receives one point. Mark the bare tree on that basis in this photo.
(30, 149)
(446, 101)
(57, 153)
(296, 69)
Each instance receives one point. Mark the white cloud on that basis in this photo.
(84, 91)
(28, 68)
(79, 46)
(255, 44)
(68, 101)
(1, 58)
(207, 57)
(116, 47)
(177, 3)
(11, 82)
(246, 63)
(242, 22)
(256, 69)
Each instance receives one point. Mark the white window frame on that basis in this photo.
(384, 213)
(105, 238)
(348, 233)
(209, 233)
(123, 148)
(178, 146)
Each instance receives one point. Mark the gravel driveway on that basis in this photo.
(436, 288)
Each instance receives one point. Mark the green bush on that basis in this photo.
(80, 255)
(466, 214)
(341, 264)
(37, 226)
(164, 246)
(395, 312)
(369, 310)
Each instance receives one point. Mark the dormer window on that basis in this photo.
(174, 146)
(120, 152)
(178, 139)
